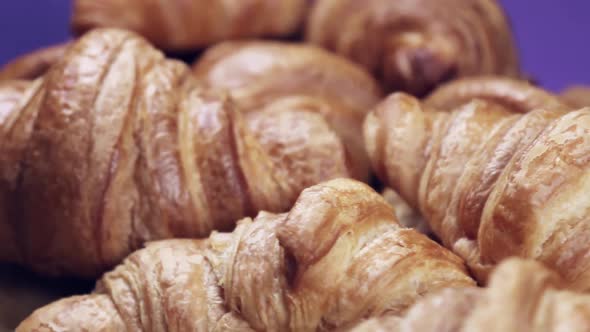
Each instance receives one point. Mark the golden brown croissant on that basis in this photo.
(577, 96)
(184, 25)
(490, 182)
(33, 65)
(116, 146)
(522, 296)
(414, 45)
(274, 76)
(337, 257)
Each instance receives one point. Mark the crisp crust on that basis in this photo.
(337, 257)
(415, 45)
(496, 177)
(118, 145)
(264, 76)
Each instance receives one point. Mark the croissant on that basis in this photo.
(522, 296)
(577, 96)
(337, 257)
(179, 25)
(414, 45)
(116, 146)
(491, 182)
(32, 65)
(275, 75)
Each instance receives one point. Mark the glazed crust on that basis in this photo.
(522, 296)
(414, 45)
(117, 146)
(337, 257)
(491, 182)
(263, 75)
(179, 25)
(515, 95)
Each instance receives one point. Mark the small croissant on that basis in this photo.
(339, 256)
(415, 45)
(271, 76)
(116, 145)
(522, 296)
(180, 25)
(491, 181)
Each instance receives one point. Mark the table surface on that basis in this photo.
(552, 35)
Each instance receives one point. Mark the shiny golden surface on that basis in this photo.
(577, 96)
(116, 146)
(274, 76)
(185, 25)
(515, 95)
(414, 45)
(522, 296)
(491, 181)
(33, 65)
(337, 257)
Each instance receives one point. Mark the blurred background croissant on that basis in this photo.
(297, 165)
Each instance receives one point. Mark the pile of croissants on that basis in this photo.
(378, 166)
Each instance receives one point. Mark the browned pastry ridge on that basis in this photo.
(492, 182)
(414, 45)
(179, 25)
(522, 296)
(116, 146)
(32, 65)
(577, 96)
(271, 76)
(337, 257)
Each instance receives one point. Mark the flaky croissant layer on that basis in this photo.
(116, 146)
(415, 45)
(492, 182)
(337, 257)
(522, 296)
(264, 75)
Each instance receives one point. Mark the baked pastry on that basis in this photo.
(414, 45)
(492, 183)
(273, 76)
(577, 96)
(514, 95)
(522, 296)
(179, 25)
(116, 146)
(34, 64)
(337, 257)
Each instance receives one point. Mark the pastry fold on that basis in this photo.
(492, 182)
(414, 45)
(337, 257)
(116, 145)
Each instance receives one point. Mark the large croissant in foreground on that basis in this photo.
(274, 75)
(522, 296)
(337, 257)
(116, 146)
(186, 25)
(492, 182)
(414, 45)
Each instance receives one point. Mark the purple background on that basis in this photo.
(552, 35)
